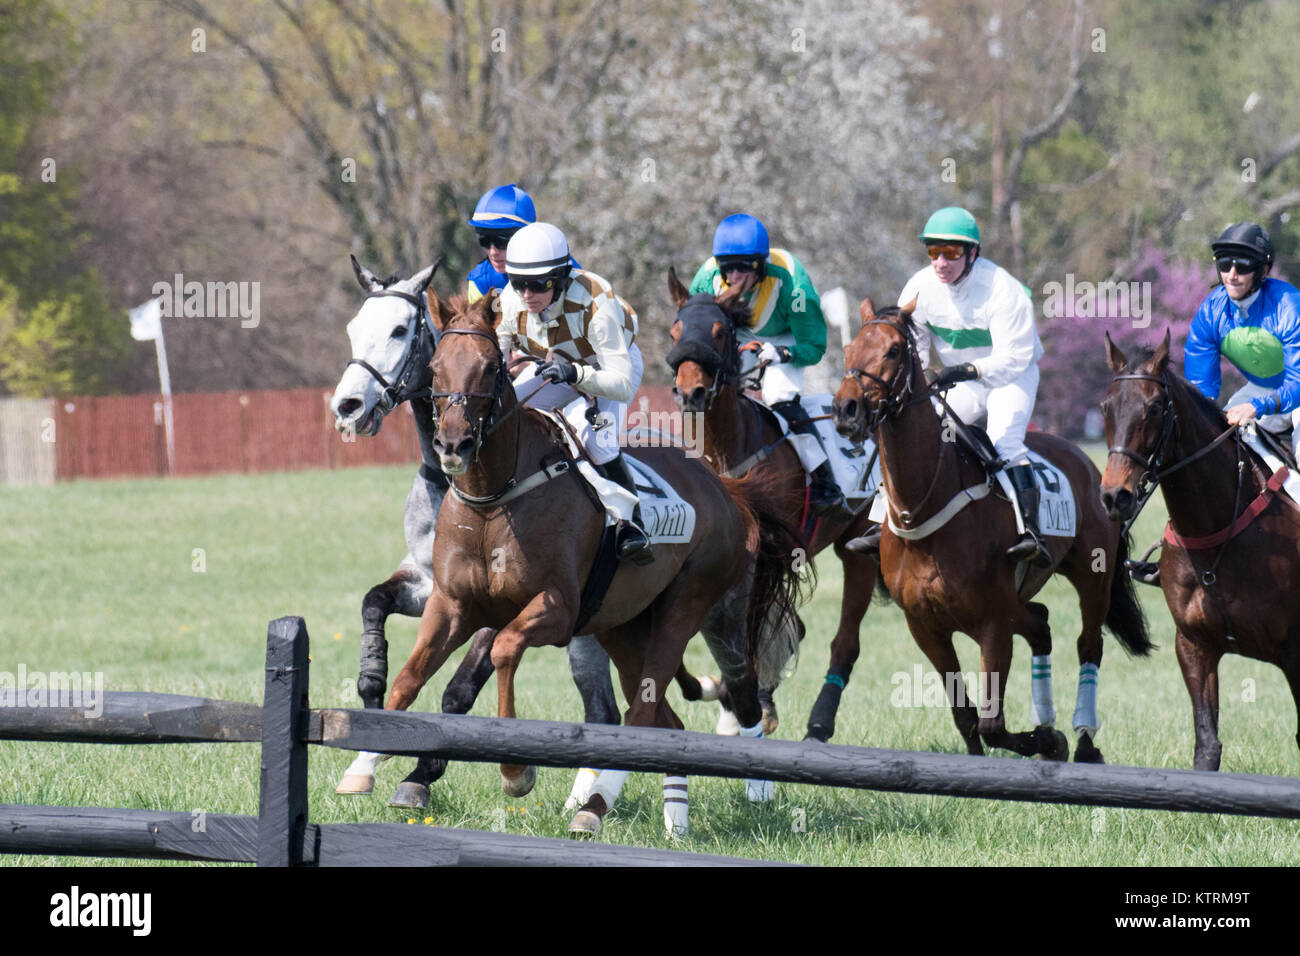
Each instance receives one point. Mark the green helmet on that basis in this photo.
(953, 224)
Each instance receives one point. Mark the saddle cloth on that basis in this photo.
(856, 468)
(1056, 511)
(1272, 458)
(666, 517)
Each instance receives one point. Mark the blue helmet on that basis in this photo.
(740, 235)
(506, 207)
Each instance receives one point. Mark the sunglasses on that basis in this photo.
(532, 285)
(738, 265)
(487, 240)
(1243, 266)
(950, 252)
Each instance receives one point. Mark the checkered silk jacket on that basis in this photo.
(588, 323)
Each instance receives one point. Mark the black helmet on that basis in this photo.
(1246, 238)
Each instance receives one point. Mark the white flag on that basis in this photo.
(146, 321)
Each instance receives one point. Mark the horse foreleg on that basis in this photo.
(1200, 668)
(546, 619)
(442, 630)
(937, 647)
(995, 664)
(859, 578)
(403, 593)
(1034, 625)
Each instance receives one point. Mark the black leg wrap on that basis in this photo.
(821, 722)
(372, 675)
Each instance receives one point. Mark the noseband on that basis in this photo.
(401, 390)
(696, 345)
(890, 404)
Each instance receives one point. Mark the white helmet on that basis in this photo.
(538, 249)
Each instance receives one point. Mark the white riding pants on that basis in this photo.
(1008, 407)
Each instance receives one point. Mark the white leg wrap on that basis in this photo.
(1041, 689)
(1085, 707)
(757, 791)
(582, 786)
(609, 784)
(709, 688)
(675, 806)
(728, 725)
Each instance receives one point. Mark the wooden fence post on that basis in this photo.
(282, 814)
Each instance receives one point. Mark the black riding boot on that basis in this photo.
(1030, 547)
(633, 543)
(824, 496)
(868, 544)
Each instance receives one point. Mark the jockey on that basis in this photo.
(499, 215)
(784, 303)
(573, 320)
(980, 321)
(1253, 320)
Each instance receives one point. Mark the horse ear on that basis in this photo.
(1160, 358)
(1115, 358)
(420, 281)
(867, 310)
(365, 276)
(678, 291)
(439, 312)
(491, 306)
(907, 310)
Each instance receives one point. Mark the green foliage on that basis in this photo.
(58, 331)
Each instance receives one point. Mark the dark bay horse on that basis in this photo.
(954, 576)
(1230, 565)
(517, 560)
(742, 435)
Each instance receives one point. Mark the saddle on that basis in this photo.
(1278, 443)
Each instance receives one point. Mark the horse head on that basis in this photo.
(469, 377)
(391, 345)
(881, 366)
(704, 356)
(1139, 415)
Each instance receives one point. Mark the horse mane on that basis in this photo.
(1208, 407)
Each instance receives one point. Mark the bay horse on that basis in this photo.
(392, 342)
(741, 435)
(960, 579)
(518, 536)
(1230, 562)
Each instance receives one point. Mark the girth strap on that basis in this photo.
(949, 511)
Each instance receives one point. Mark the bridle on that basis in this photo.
(403, 387)
(1152, 472)
(727, 369)
(894, 400)
(487, 423)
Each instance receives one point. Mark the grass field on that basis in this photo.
(168, 586)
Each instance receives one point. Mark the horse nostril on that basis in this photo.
(349, 407)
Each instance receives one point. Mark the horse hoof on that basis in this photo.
(1086, 752)
(520, 785)
(410, 794)
(585, 824)
(770, 722)
(728, 725)
(356, 783)
(1051, 743)
(710, 687)
(819, 733)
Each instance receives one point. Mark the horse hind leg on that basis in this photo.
(1094, 592)
(589, 666)
(859, 578)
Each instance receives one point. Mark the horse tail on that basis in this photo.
(783, 574)
(1124, 617)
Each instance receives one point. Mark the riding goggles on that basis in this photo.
(950, 251)
(487, 240)
(727, 266)
(531, 284)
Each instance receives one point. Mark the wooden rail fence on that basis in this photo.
(281, 834)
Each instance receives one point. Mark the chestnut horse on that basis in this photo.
(514, 548)
(954, 576)
(1236, 590)
(742, 435)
